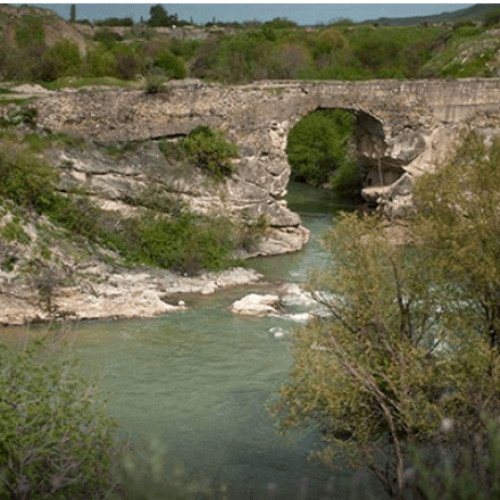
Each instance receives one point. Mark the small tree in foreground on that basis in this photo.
(411, 346)
(55, 438)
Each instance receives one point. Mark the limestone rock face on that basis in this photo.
(403, 127)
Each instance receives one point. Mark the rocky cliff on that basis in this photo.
(403, 130)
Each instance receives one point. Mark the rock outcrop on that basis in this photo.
(102, 292)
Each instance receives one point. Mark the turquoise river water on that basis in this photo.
(199, 384)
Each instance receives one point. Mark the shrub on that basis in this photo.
(346, 180)
(30, 32)
(107, 37)
(25, 178)
(77, 214)
(56, 438)
(115, 21)
(210, 151)
(492, 18)
(100, 62)
(186, 243)
(155, 83)
(128, 61)
(13, 231)
(172, 65)
(22, 115)
(62, 59)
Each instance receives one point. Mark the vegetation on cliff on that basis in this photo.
(409, 361)
(163, 234)
(277, 49)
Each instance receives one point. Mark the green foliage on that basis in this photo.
(25, 179)
(62, 59)
(160, 17)
(38, 142)
(72, 13)
(338, 51)
(172, 66)
(318, 150)
(13, 231)
(22, 115)
(76, 214)
(468, 51)
(129, 61)
(185, 49)
(31, 184)
(124, 61)
(30, 32)
(120, 149)
(412, 342)
(107, 37)
(466, 467)
(492, 18)
(155, 83)
(156, 198)
(186, 243)
(180, 241)
(460, 225)
(211, 151)
(346, 181)
(115, 21)
(56, 438)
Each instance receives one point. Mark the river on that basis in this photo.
(198, 384)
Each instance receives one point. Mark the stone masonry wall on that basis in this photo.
(404, 128)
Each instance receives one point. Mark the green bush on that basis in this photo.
(492, 18)
(100, 62)
(76, 214)
(107, 37)
(56, 439)
(115, 21)
(155, 83)
(210, 151)
(172, 66)
(346, 181)
(26, 179)
(186, 243)
(318, 146)
(62, 59)
(13, 231)
(129, 61)
(29, 32)
(22, 115)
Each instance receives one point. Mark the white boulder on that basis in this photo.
(256, 304)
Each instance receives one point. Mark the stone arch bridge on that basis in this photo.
(404, 128)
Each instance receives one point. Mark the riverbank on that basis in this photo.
(104, 293)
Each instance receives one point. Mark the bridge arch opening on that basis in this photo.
(341, 150)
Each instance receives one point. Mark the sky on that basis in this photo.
(304, 14)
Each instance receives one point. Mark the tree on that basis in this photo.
(459, 224)
(158, 16)
(409, 346)
(72, 13)
(56, 441)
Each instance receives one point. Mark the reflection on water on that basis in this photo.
(201, 382)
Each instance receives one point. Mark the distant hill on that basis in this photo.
(474, 13)
(55, 28)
